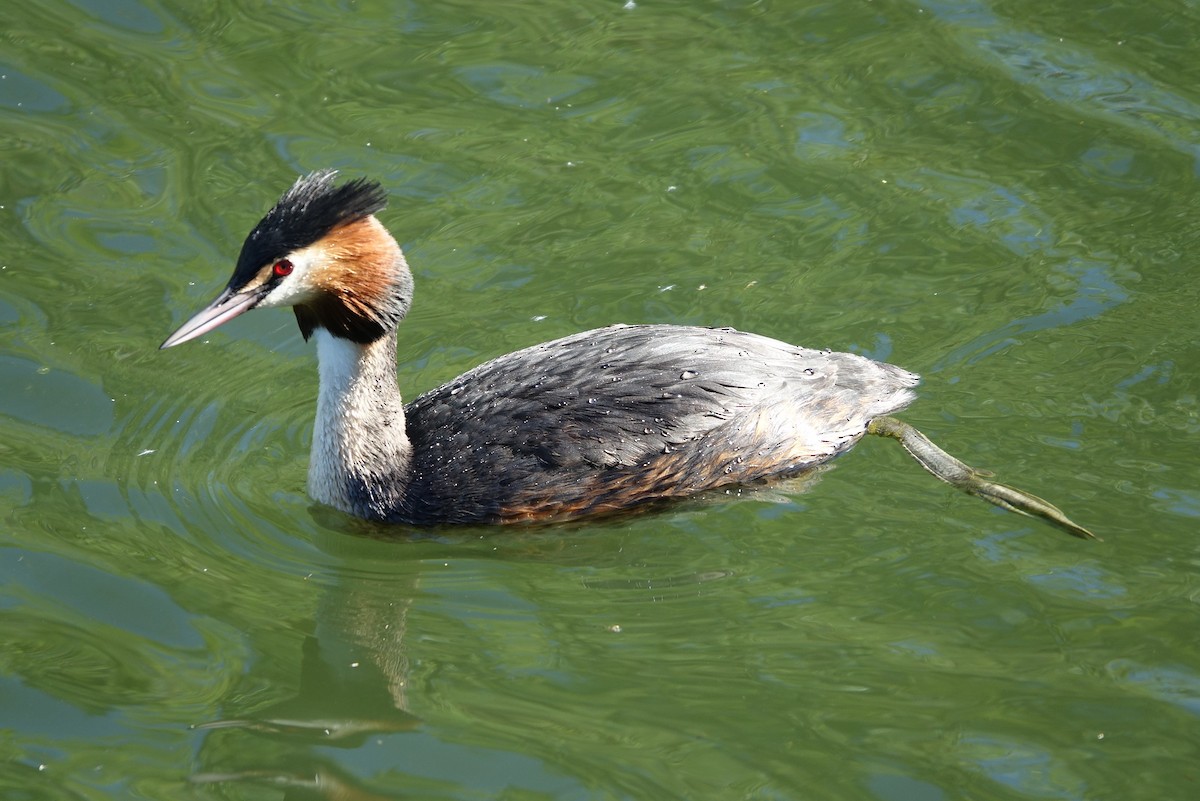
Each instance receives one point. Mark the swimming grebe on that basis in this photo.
(592, 423)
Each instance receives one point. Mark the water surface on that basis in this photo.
(1001, 196)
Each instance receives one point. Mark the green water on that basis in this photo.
(1003, 197)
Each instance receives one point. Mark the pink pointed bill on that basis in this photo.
(227, 306)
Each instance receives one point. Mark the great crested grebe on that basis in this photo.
(589, 424)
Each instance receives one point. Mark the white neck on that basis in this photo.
(360, 451)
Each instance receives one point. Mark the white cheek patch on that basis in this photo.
(300, 286)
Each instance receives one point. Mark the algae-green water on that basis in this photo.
(1001, 196)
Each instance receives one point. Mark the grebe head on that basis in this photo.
(321, 251)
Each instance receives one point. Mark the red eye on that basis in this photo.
(282, 267)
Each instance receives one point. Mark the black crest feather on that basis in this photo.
(313, 207)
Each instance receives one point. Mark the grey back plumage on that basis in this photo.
(686, 408)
